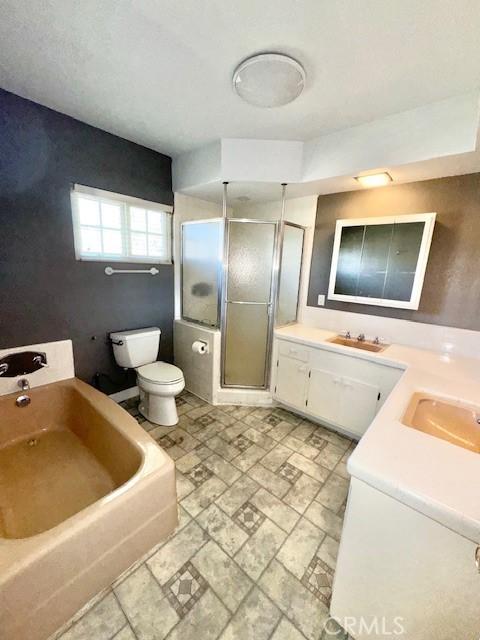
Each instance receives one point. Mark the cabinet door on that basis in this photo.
(291, 381)
(323, 394)
(357, 405)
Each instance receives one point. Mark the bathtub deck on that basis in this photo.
(261, 500)
(46, 478)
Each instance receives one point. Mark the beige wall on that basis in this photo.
(451, 291)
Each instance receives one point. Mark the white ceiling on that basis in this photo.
(158, 71)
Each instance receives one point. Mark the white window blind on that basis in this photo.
(112, 227)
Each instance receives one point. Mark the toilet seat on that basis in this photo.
(160, 373)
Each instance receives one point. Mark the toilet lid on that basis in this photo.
(160, 372)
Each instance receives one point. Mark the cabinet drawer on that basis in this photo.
(293, 350)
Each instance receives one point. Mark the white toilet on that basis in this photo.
(158, 382)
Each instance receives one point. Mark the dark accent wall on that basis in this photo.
(451, 290)
(46, 294)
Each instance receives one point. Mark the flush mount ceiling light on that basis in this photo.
(374, 179)
(269, 80)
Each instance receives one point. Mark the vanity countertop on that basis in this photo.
(430, 475)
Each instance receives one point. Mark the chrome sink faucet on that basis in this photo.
(24, 384)
(361, 337)
(23, 400)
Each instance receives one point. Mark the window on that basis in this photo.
(112, 227)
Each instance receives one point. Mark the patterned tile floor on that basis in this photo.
(261, 495)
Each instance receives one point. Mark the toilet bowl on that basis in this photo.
(158, 382)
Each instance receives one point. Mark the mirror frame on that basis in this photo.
(414, 302)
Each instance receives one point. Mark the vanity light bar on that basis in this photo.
(374, 179)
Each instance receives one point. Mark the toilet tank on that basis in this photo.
(135, 348)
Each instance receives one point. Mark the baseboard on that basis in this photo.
(126, 394)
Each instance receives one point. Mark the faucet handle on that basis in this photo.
(361, 337)
(346, 334)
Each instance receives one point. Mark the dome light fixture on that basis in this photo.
(269, 80)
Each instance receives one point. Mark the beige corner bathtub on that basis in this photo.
(84, 493)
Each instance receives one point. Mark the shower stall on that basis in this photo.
(240, 275)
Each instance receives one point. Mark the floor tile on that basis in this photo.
(175, 553)
(325, 519)
(302, 492)
(259, 550)
(143, 602)
(303, 430)
(191, 459)
(230, 433)
(255, 619)
(183, 439)
(237, 411)
(223, 417)
(294, 600)
(279, 431)
(276, 457)
(263, 440)
(248, 518)
(300, 447)
(328, 551)
(204, 622)
(283, 515)
(335, 438)
(249, 457)
(223, 448)
(101, 622)
(312, 469)
(125, 634)
(333, 493)
(241, 442)
(269, 480)
(222, 529)
(199, 412)
(199, 474)
(184, 485)
(329, 456)
(289, 472)
(226, 579)
(318, 579)
(214, 428)
(223, 469)
(185, 588)
(237, 494)
(286, 631)
(204, 495)
(288, 416)
(257, 423)
(300, 547)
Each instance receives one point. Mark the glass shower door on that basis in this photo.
(201, 269)
(248, 300)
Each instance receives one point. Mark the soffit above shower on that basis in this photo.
(158, 72)
(428, 142)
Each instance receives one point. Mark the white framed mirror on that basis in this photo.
(381, 261)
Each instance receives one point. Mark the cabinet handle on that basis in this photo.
(477, 558)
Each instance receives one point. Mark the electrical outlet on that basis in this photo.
(321, 301)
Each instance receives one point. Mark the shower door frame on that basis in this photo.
(271, 305)
(221, 267)
(283, 224)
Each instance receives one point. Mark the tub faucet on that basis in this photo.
(24, 384)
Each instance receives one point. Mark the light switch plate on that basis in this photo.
(321, 301)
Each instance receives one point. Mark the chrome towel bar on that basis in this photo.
(110, 272)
